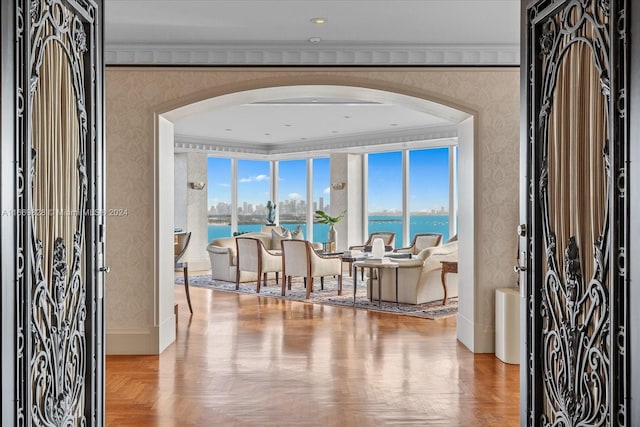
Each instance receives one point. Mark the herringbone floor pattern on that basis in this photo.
(241, 360)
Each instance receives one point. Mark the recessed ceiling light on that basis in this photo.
(228, 130)
(267, 134)
(334, 131)
(347, 117)
(394, 124)
(319, 20)
(288, 125)
(315, 39)
(303, 138)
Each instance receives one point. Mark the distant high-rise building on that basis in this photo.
(223, 208)
(321, 203)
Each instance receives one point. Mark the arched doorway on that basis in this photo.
(265, 91)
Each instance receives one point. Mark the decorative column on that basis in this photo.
(347, 194)
(197, 211)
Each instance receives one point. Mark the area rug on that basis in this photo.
(431, 310)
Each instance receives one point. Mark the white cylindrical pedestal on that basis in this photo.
(508, 325)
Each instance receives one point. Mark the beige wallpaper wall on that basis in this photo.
(135, 95)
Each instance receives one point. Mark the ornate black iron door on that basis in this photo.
(574, 210)
(53, 221)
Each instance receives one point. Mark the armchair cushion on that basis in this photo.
(277, 237)
(297, 234)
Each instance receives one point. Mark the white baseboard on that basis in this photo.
(464, 331)
(132, 341)
(477, 338)
(167, 332)
(153, 340)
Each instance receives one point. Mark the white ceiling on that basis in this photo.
(302, 119)
(241, 32)
(266, 32)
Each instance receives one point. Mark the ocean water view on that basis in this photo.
(418, 224)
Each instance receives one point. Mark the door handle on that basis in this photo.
(520, 268)
(104, 269)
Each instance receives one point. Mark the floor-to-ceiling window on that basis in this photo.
(219, 188)
(428, 188)
(292, 193)
(253, 186)
(384, 192)
(429, 191)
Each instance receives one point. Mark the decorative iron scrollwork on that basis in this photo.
(54, 360)
(548, 37)
(573, 360)
(34, 10)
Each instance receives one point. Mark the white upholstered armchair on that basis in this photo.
(421, 241)
(254, 257)
(388, 237)
(299, 259)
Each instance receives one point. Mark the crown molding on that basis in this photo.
(271, 54)
(409, 138)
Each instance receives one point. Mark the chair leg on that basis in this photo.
(322, 283)
(304, 280)
(186, 286)
(289, 280)
(309, 287)
(276, 277)
(237, 278)
(340, 285)
(284, 285)
(264, 281)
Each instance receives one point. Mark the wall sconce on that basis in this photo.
(338, 185)
(197, 185)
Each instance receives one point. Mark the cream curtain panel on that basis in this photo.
(577, 134)
(577, 178)
(56, 186)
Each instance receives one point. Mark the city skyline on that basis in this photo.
(298, 207)
(428, 181)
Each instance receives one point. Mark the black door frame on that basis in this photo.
(633, 274)
(8, 256)
(623, 382)
(620, 381)
(16, 20)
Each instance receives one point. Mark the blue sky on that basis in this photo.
(428, 180)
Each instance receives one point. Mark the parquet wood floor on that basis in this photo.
(241, 360)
